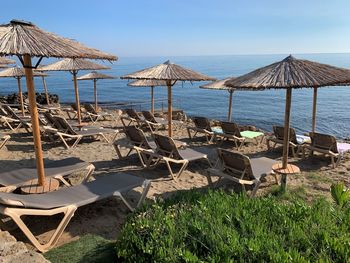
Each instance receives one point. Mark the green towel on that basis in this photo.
(217, 130)
(251, 134)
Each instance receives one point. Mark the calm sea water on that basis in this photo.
(260, 108)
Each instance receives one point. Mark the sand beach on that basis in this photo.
(105, 218)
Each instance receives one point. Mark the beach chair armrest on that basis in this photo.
(173, 160)
(217, 172)
(68, 135)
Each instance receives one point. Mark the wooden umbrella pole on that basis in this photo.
(95, 95)
(314, 109)
(170, 110)
(20, 95)
(77, 102)
(152, 99)
(46, 92)
(229, 117)
(34, 119)
(286, 137)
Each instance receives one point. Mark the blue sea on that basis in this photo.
(260, 108)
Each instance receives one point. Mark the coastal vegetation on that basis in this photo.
(217, 226)
(221, 227)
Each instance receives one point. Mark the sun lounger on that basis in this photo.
(137, 140)
(24, 120)
(168, 152)
(71, 111)
(202, 125)
(296, 142)
(241, 169)
(50, 121)
(155, 123)
(66, 131)
(231, 130)
(59, 169)
(94, 115)
(327, 145)
(3, 139)
(66, 201)
(7, 122)
(45, 108)
(133, 118)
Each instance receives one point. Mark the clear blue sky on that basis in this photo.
(193, 27)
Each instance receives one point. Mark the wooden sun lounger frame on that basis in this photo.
(335, 156)
(131, 120)
(95, 116)
(209, 135)
(4, 139)
(219, 171)
(275, 140)
(141, 147)
(15, 213)
(64, 135)
(6, 121)
(13, 117)
(152, 123)
(90, 170)
(75, 137)
(238, 140)
(162, 155)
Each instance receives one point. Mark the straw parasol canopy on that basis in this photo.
(95, 76)
(21, 38)
(171, 73)
(25, 40)
(220, 85)
(18, 73)
(148, 83)
(73, 66)
(4, 61)
(291, 73)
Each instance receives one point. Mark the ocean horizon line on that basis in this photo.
(227, 55)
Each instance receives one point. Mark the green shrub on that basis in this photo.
(221, 227)
(340, 194)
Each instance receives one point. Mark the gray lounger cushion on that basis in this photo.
(80, 195)
(52, 168)
(92, 132)
(261, 166)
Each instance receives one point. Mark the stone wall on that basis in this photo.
(12, 251)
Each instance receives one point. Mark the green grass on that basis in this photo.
(316, 177)
(298, 193)
(89, 248)
(218, 227)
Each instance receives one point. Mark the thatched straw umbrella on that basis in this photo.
(171, 73)
(95, 76)
(6, 61)
(18, 73)
(220, 85)
(148, 83)
(290, 73)
(73, 66)
(25, 40)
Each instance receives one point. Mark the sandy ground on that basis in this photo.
(106, 217)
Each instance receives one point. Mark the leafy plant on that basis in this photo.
(340, 194)
(220, 227)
